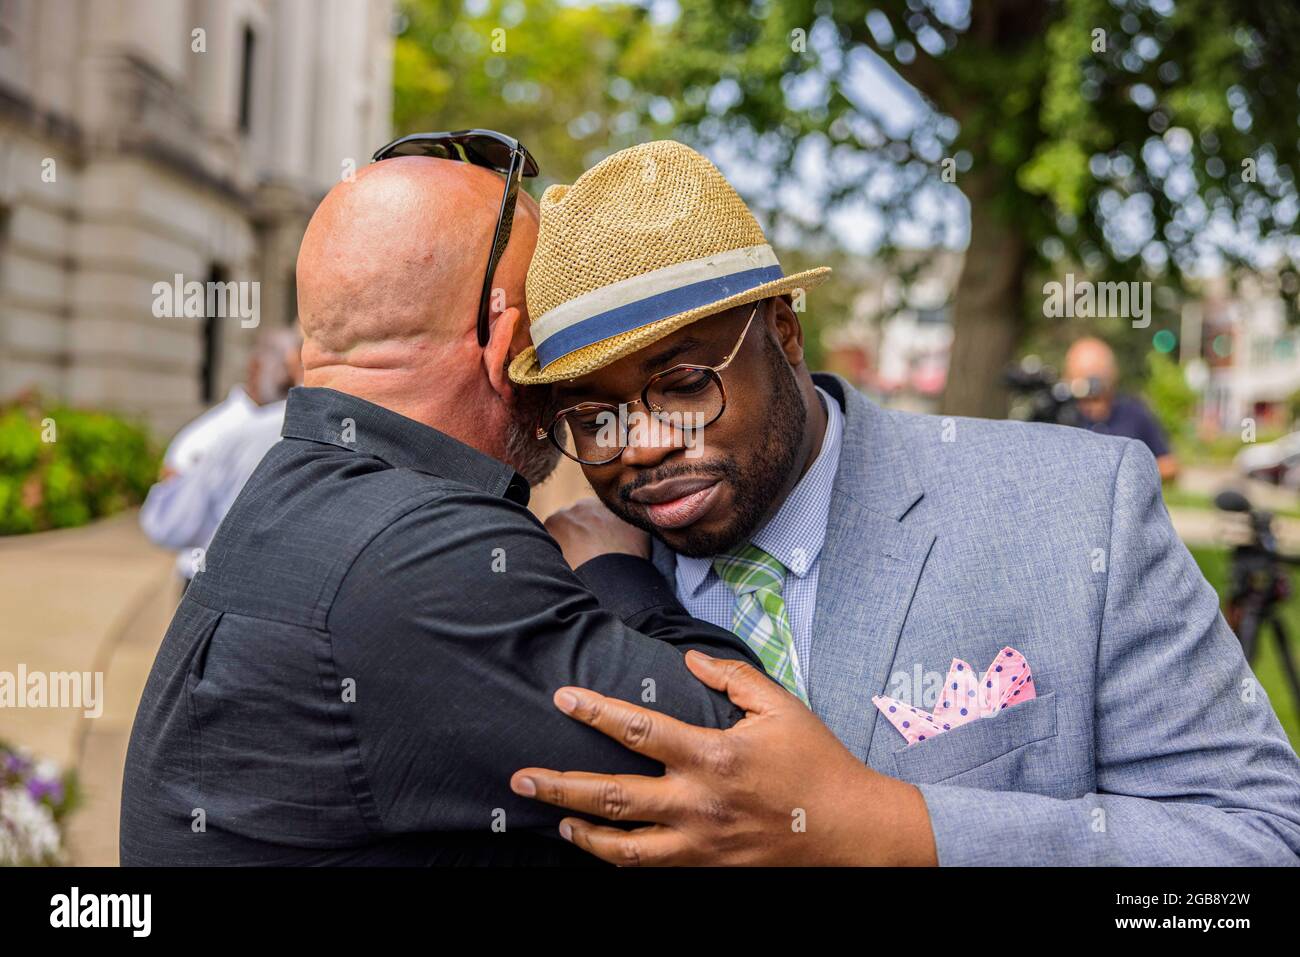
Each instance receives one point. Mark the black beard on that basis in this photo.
(755, 483)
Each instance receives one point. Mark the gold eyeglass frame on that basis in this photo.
(715, 372)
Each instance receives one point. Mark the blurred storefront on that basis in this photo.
(1249, 355)
(896, 343)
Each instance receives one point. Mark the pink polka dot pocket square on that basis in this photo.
(964, 697)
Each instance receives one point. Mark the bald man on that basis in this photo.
(373, 644)
(1093, 375)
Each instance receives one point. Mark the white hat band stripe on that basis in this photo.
(637, 288)
(634, 315)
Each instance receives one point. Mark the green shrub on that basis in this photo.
(1172, 400)
(61, 467)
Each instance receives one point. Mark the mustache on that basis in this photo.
(720, 469)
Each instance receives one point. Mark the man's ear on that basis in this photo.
(788, 330)
(509, 337)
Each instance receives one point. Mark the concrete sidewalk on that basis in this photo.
(1207, 526)
(93, 599)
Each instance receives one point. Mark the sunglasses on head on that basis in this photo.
(487, 148)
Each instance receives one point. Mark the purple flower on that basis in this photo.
(41, 788)
(16, 763)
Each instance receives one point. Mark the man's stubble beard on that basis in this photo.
(755, 484)
(535, 459)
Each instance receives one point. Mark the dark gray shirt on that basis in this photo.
(370, 652)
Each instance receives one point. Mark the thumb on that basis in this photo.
(745, 685)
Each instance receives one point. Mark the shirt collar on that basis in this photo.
(336, 418)
(795, 534)
(239, 395)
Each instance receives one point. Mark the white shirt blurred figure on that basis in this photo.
(201, 481)
(193, 441)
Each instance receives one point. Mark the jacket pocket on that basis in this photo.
(977, 743)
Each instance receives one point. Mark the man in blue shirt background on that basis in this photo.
(1110, 412)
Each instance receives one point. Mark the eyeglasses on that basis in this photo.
(486, 148)
(685, 397)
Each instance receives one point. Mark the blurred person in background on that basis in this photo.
(1092, 373)
(267, 379)
(220, 450)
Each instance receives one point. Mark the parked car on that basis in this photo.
(1275, 462)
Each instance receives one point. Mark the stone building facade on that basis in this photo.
(145, 139)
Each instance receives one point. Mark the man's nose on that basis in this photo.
(649, 442)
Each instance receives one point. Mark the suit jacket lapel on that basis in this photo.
(868, 569)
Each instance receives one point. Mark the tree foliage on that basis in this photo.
(547, 73)
(1131, 139)
(1121, 139)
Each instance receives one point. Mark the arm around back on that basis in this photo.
(460, 620)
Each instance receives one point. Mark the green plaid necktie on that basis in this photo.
(759, 614)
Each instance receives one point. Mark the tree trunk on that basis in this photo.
(988, 311)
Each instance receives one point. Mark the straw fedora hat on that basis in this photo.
(645, 242)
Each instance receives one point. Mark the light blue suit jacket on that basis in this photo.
(1149, 741)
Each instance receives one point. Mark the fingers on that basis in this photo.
(653, 846)
(746, 686)
(655, 735)
(617, 797)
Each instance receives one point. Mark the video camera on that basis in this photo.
(1044, 397)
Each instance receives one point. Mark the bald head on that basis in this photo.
(398, 254)
(1090, 358)
(389, 278)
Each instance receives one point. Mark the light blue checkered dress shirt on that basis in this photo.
(793, 537)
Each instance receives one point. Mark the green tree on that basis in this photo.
(1120, 136)
(546, 72)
